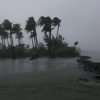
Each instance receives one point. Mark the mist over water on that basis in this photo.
(95, 55)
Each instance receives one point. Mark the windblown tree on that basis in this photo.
(56, 22)
(1, 35)
(4, 36)
(57, 43)
(46, 24)
(7, 26)
(31, 28)
(19, 35)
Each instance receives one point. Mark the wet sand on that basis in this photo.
(47, 83)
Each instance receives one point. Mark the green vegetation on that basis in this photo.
(53, 46)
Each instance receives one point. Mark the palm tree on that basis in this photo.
(7, 26)
(31, 28)
(17, 30)
(1, 31)
(7, 37)
(56, 22)
(4, 36)
(46, 23)
(20, 36)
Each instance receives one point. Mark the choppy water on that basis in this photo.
(60, 83)
(40, 64)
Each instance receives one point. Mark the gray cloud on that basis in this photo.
(80, 18)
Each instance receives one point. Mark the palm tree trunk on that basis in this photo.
(8, 41)
(12, 41)
(50, 47)
(19, 42)
(57, 32)
(4, 43)
(4, 48)
(32, 49)
(36, 42)
(12, 46)
(32, 43)
(2, 53)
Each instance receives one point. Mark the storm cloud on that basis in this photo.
(80, 18)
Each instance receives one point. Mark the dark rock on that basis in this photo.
(97, 77)
(84, 79)
(84, 57)
(89, 65)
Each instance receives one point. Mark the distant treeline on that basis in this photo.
(55, 46)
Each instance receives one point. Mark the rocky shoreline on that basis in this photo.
(88, 65)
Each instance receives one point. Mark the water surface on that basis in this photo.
(44, 79)
(41, 64)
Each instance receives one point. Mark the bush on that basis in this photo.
(67, 52)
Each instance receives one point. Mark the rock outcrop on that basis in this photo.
(89, 65)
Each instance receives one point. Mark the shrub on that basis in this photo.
(67, 52)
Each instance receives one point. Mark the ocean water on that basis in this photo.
(95, 55)
(41, 64)
(46, 79)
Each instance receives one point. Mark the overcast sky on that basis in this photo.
(80, 18)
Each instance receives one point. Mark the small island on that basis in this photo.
(53, 45)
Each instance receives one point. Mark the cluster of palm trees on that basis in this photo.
(7, 29)
(48, 25)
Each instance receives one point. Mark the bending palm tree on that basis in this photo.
(19, 35)
(31, 28)
(4, 36)
(7, 26)
(46, 23)
(56, 22)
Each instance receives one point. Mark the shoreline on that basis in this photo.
(59, 84)
(90, 66)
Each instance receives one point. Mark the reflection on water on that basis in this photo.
(25, 65)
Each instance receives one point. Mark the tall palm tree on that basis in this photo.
(1, 33)
(7, 26)
(7, 37)
(46, 23)
(31, 28)
(17, 30)
(4, 36)
(56, 22)
(20, 36)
